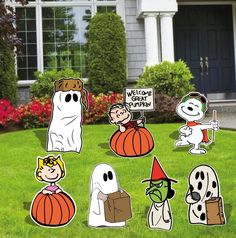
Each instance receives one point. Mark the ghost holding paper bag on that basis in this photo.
(203, 197)
(103, 184)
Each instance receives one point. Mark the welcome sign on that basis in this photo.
(141, 99)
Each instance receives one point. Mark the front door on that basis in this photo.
(204, 40)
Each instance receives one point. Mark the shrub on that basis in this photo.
(99, 106)
(8, 114)
(8, 79)
(43, 87)
(172, 79)
(36, 113)
(106, 54)
(165, 109)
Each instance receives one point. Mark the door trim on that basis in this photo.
(233, 4)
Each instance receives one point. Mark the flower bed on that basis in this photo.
(37, 113)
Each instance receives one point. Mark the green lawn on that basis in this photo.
(18, 152)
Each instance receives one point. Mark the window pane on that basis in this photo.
(32, 49)
(64, 37)
(26, 25)
(103, 9)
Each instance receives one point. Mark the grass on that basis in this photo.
(18, 152)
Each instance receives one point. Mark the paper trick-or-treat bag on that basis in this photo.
(215, 212)
(117, 207)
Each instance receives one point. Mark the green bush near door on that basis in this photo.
(172, 79)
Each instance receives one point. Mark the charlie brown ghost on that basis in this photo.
(192, 108)
(64, 133)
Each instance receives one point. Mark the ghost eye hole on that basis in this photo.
(68, 98)
(75, 97)
(110, 175)
(105, 177)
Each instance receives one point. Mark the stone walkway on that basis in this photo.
(227, 120)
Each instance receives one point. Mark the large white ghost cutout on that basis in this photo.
(203, 185)
(103, 181)
(65, 130)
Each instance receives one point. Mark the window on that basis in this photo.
(53, 33)
(27, 61)
(64, 37)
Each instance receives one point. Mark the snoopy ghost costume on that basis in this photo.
(203, 186)
(103, 180)
(65, 130)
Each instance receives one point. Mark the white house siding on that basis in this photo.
(135, 41)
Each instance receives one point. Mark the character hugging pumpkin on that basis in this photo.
(51, 207)
(132, 139)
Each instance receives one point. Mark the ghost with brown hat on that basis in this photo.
(159, 191)
(65, 129)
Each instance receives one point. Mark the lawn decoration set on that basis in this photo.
(203, 197)
(132, 139)
(110, 206)
(192, 108)
(159, 191)
(52, 207)
(65, 129)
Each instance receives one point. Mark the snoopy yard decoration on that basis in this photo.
(109, 205)
(159, 191)
(65, 129)
(203, 197)
(192, 108)
(51, 207)
(132, 139)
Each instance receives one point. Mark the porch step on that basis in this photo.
(222, 106)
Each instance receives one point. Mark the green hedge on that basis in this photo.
(106, 54)
(8, 79)
(44, 85)
(172, 79)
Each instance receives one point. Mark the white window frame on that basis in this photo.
(39, 4)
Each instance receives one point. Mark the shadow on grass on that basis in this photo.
(187, 148)
(41, 135)
(28, 220)
(85, 223)
(228, 209)
(146, 211)
(174, 135)
(106, 146)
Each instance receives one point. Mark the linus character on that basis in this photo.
(121, 116)
(159, 191)
(203, 197)
(103, 182)
(51, 207)
(192, 108)
(65, 129)
(131, 139)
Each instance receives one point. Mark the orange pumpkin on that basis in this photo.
(52, 209)
(134, 142)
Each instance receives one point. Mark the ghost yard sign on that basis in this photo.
(139, 99)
